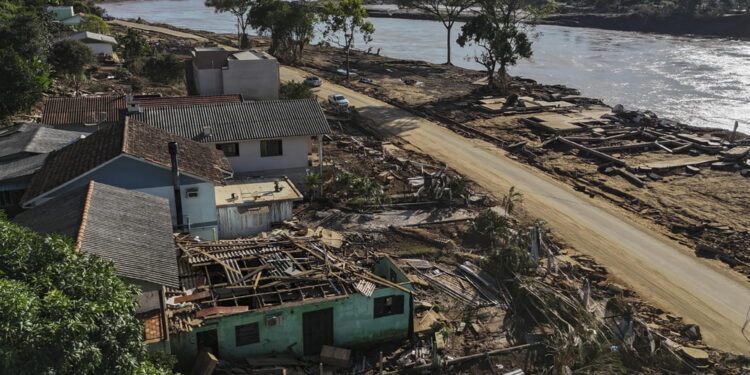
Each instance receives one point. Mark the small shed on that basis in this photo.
(99, 44)
(248, 207)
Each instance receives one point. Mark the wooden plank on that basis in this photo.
(193, 297)
(220, 310)
(593, 152)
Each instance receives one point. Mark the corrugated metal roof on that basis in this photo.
(187, 100)
(93, 37)
(130, 228)
(82, 110)
(231, 122)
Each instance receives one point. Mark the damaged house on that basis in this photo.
(136, 156)
(253, 297)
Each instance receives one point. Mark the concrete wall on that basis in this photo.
(208, 81)
(254, 79)
(199, 212)
(294, 155)
(100, 48)
(353, 327)
(232, 224)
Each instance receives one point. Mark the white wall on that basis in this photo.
(200, 209)
(208, 81)
(232, 224)
(294, 155)
(254, 79)
(100, 48)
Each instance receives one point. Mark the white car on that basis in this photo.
(338, 99)
(313, 81)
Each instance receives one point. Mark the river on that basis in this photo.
(698, 81)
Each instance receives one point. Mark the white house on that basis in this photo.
(260, 138)
(253, 74)
(99, 44)
(65, 15)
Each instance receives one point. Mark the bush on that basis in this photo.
(23, 82)
(133, 45)
(136, 65)
(93, 24)
(295, 90)
(122, 74)
(137, 84)
(69, 57)
(164, 68)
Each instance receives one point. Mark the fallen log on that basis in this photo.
(630, 177)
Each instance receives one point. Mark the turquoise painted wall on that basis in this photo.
(353, 326)
(383, 268)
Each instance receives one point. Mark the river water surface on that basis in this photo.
(699, 81)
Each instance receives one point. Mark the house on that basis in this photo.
(136, 156)
(89, 113)
(249, 298)
(252, 74)
(246, 208)
(130, 228)
(83, 113)
(23, 149)
(259, 138)
(99, 44)
(65, 15)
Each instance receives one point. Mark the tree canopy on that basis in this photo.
(240, 9)
(70, 57)
(291, 25)
(446, 11)
(94, 24)
(23, 82)
(133, 45)
(343, 21)
(295, 90)
(64, 312)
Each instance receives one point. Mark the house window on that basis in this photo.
(271, 147)
(391, 305)
(246, 334)
(229, 149)
(191, 193)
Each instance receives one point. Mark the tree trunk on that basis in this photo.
(449, 44)
(347, 62)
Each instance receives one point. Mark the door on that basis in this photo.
(317, 330)
(208, 341)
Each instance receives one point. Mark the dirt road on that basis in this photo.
(660, 270)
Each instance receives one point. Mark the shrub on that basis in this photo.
(22, 82)
(295, 90)
(164, 68)
(69, 57)
(93, 24)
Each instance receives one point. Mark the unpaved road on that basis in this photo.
(661, 271)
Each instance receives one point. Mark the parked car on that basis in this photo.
(338, 99)
(367, 81)
(313, 81)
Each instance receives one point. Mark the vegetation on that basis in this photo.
(357, 191)
(295, 90)
(501, 31)
(24, 80)
(240, 9)
(291, 25)
(69, 57)
(133, 45)
(664, 7)
(343, 21)
(64, 312)
(445, 11)
(164, 68)
(94, 24)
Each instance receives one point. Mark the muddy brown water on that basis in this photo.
(699, 81)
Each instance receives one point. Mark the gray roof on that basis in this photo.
(88, 36)
(35, 140)
(130, 228)
(21, 167)
(231, 122)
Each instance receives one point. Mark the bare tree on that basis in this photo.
(343, 20)
(445, 11)
(240, 9)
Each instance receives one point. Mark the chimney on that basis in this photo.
(133, 107)
(176, 185)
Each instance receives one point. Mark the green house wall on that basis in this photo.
(353, 326)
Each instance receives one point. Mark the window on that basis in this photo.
(246, 334)
(391, 305)
(270, 147)
(191, 193)
(230, 149)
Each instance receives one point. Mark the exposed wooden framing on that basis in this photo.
(591, 151)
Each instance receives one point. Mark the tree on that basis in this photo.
(500, 30)
(23, 82)
(134, 45)
(69, 57)
(28, 34)
(93, 24)
(64, 312)
(291, 25)
(446, 11)
(240, 9)
(295, 90)
(343, 20)
(164, 68)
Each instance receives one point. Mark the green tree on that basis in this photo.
(501, 31)
(133, 45)
(70, 57)
(64, 312)
(343, 20)
(446, 11)
(295, 90)
(28, 33)
(23, 82)
(291, 25)
(93, 24)
(240, 9)
(164, 68)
